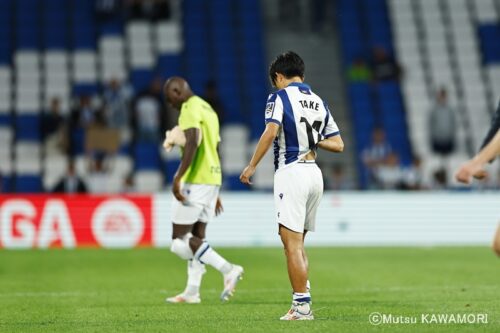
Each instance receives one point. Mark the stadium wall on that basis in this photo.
(347, 219)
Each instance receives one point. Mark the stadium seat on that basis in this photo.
(234, 158)
(148, 181)
(28, 183)
(141, 79)
(28, 156)
(146, 156)
(28, 127)
(169, 38)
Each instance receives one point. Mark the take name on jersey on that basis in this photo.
(304, 120)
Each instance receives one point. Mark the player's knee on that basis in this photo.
(180, 246)
(293, 250)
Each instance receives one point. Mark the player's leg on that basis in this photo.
(195, 268)
(207, 255)
(306, 260)
(293, 243)
(496, 241)
(184, 218)
(290, 201)
(296, 265)
(181, 233)
(313, 178)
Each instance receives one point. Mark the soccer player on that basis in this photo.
(298, 122)
(196, 189)
(474, 167)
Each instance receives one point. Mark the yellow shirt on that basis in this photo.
(205, 168)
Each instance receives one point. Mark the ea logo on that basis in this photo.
(117, 223)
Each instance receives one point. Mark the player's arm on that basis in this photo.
(192, 136)
(474, 167)
(265, 142)
(332, 144)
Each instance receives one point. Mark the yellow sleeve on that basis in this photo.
(190, 117)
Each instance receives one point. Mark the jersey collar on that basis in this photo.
(300, 85)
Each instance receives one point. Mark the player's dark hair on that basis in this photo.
(289, 64)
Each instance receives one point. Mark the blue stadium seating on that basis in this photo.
(169, 65)
(146, 156)
(86, 89)
(5, 120)
(6, 183)
(364, 24)
(170, 170)
(28, 127)
(489, 36)
(222, 42)
(141, 79)
(28, 184)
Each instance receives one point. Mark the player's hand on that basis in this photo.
(176, 189)
(168, 143)
(468, 170)
(246, 174)
(218, 207)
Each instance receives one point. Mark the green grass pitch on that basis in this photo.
(92, 290)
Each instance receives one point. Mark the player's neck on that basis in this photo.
(294, 79)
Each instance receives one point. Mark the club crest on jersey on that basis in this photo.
(269, 109)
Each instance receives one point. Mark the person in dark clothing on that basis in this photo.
(52, 120)
(211, 96)
(70, 183)
(385, 68)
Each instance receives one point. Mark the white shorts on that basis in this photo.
(298, 189)
(199, 205)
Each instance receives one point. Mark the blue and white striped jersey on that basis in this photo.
(304, 120)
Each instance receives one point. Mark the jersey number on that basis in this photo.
(309, 128)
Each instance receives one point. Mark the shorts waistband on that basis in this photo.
(307, 161)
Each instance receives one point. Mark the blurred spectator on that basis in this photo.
(376, 153)
(70, 183)
(107, 9)
(147, 115)
(211, 95)
(389, 175)
(359, 71)
(440, 179)
(117, 98)
(338, 180)
(98, 174)
(53, 127)
(128, 184)
(413, 175)
(384, 66)
(442, 125)
(152, 10)
(84, 114)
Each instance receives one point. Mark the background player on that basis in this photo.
(474, 167)
(196, 189)
(298, 122)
